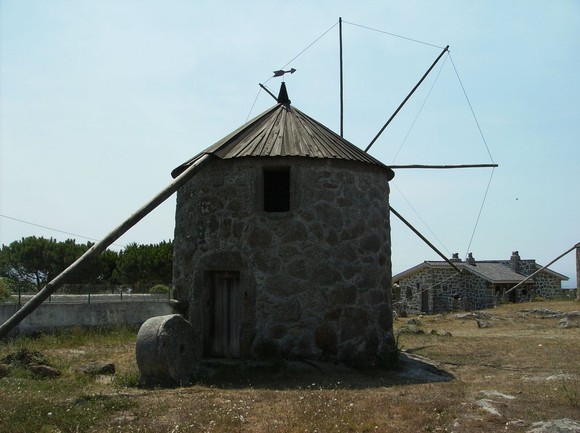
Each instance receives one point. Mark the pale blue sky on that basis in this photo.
(101, 99)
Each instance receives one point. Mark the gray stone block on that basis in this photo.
(164, 351)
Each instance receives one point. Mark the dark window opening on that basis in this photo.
(277, 190)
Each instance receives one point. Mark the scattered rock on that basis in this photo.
(568, 323)
(33, 361)
(94, 368)
(415, 322)
(25, 357)
(483, 323)
(474, 315)
(516, 422)
(440, 333)
(44, 371)
(544, 313)
(410, 329)
(564, 425)
(561, 377)
(496, 394)
(124, 419)
(487, 406)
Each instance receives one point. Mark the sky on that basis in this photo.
(101, 99)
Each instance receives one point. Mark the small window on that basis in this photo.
(277, 189)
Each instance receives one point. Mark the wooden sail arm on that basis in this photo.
(101, 246)
(443, 166)
(407, 98)
(541, 269)
(424, 239)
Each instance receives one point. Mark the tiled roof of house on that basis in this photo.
(553, 273)
(283, 130)
(493, 271)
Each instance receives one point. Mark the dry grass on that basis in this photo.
(522, 355)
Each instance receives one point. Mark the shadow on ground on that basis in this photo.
(285, 375)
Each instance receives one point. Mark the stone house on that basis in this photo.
(282, 245)
(435, 287)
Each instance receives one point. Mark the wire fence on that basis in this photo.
(82, 294)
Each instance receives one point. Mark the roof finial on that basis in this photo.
(283, 95)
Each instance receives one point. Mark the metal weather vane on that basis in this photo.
(281, 72)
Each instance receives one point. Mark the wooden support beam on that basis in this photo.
(578, 271)
(407, 98)
(424, 239)
(100, 246)
(443, 166)
(577, 246)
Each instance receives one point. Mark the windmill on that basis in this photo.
(184, 176)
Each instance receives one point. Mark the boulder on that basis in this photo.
(564, 425)
(44, 371)
(568, 322)
(94, 368)
(483, 323)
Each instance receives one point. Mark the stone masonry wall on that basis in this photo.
(447, 291)
(545, 285)
(315, 281)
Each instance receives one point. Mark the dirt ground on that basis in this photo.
(508, 369)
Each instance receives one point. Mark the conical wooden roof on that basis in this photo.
(285, 131)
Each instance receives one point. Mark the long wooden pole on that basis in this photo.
(341, 78)
(444, 166)
(424, 239)
(578, 271)
(407, 98)
(100, 246)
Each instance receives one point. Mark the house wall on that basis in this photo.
(546, 285)
(447, 290)
(315, 281)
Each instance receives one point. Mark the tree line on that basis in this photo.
(30, 263)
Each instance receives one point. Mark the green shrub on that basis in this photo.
(5, 289)
(159, 288)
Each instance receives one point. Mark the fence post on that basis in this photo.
(578, 272)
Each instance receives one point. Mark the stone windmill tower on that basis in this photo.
(282, 245)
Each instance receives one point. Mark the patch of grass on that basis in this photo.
(569, 387)
(30, 405)
(72, 402)
(127, 379)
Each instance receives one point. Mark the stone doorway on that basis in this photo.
(425, 301)
(225, 314)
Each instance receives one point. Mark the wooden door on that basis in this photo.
(425, 300)
(225, 340)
